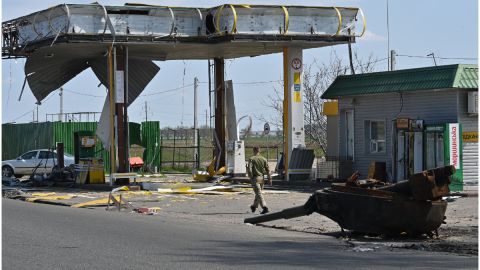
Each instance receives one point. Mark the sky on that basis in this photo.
(449, 29)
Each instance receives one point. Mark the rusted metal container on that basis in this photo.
(411, 207)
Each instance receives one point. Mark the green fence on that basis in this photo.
(150, 133)
(20, 138)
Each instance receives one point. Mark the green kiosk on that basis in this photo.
(422, 147)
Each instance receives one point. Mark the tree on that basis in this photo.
(316, 79)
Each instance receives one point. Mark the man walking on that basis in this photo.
(258, 167)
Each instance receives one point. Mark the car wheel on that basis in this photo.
(7, 171)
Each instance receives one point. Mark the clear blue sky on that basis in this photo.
(447, 28)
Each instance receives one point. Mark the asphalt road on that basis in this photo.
(36, 236)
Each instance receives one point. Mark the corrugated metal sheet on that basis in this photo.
(20, 138)
(47, 69)
(301, 159)
(151, 141)
(466, 77)
(134, 129)
(141, 72)
(470, 163)
(429, 78)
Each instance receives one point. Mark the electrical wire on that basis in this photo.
(82, 94)
(19, 117)
(445, 58)
(166, 91)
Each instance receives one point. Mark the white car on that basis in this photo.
(42, 159)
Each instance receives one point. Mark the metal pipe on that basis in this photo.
(285, 111)
(284, 214)
(112, 112)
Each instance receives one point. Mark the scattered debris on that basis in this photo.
(148, 210)
(451, 198)
(362, 249)
(97, 202)
(50, 197)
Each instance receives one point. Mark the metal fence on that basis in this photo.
(194, 149)
(180, 148)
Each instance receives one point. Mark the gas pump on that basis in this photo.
(90, 170)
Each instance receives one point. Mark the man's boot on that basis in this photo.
(264, 211)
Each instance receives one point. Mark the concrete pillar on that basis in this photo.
(293, 123)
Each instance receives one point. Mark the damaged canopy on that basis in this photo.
(47, 69)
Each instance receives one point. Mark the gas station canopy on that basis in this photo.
(62, 41)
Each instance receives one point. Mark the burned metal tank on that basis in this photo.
(413, 206)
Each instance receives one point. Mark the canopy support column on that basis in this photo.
(293, 122)
(220, 109)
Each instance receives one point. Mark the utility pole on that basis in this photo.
(146, 117)
(195, 121)
(195, 103)
(433, 56)
(352, 69)
(206, 118)
(392, 60)
(60, 116)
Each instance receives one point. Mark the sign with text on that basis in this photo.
(471, 136)
(454, 136)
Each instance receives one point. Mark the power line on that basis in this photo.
(82, 94)
(34, 108)
(446, 58)
(166, 91)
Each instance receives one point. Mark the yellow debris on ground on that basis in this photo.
(43, 194)
(50, 197)
(138, 193)
(98, 202)
(122, 188)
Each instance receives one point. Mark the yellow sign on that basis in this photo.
(296, 78)
(471, 136)
(297, 97)
(330, 108)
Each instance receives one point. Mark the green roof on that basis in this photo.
(428, 78)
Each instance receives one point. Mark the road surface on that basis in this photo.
(37, 236)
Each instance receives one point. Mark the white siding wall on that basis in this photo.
(433, 107)
(470, 150)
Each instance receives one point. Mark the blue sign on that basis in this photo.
(296, 87)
